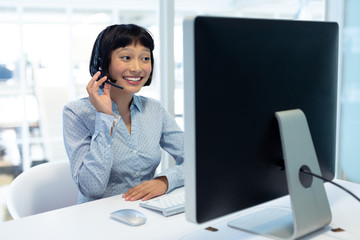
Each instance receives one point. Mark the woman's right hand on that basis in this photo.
(102, 103)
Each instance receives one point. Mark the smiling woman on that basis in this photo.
(114, 138)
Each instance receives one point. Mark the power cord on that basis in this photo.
(329, 181)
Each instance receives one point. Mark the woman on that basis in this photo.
(114, 138)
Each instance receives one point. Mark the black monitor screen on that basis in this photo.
(238, 72)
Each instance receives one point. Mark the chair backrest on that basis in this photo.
(42, 188)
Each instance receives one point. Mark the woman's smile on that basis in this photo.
(133, 80)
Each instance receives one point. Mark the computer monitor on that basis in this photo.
(237, 73)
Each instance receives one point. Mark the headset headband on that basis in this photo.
(96, 64)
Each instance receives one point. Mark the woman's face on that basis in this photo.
(130, 66)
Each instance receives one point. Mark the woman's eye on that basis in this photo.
(146, 59)
(125, 57)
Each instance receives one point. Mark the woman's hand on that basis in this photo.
(102, 103)
(147, 190)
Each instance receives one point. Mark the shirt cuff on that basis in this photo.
(174, 176)
(103, 122)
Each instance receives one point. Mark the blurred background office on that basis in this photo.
(45, 48)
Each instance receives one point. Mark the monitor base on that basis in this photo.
(272, 222)
(309, 203)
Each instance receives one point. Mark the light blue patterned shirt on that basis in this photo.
(104, 165)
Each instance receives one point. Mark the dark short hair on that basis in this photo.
(116, 36)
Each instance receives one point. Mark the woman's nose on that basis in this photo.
(135, 65)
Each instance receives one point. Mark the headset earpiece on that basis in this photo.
(96, 61)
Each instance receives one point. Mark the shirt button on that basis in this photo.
(137, 173)
(134, 151)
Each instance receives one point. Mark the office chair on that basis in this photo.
(42, 188)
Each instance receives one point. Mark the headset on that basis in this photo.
(96, 62)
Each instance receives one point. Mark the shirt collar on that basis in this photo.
(135, 103)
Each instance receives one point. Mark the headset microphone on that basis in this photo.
(109, 81)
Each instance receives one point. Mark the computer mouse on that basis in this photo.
(129, 216)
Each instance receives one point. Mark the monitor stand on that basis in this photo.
(309, 203)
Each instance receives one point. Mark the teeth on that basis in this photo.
(134, 79)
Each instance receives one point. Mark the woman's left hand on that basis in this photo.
(147, 190)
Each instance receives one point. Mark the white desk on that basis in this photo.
(92, 221)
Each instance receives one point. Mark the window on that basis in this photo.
(283, 9)
(349, 153)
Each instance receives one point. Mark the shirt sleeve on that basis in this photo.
(172, 141)
(90, 153)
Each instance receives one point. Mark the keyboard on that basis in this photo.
(167, 205)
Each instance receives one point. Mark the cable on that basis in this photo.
(327, 180)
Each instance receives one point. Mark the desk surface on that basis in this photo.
(92, 221)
